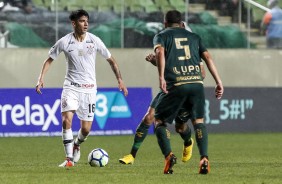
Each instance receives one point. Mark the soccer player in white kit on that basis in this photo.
(79, 89)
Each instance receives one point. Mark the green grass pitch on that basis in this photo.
(234, 158)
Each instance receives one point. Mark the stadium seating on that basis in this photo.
(72, 5)
(103, 12)
(118, 6)
(164, 5)
(104, 5)
(62, 5)
(148, 5)
(89, 5)
(39, 3)
(257, 12)
(178, 5)
(136, 8)
(51, 5)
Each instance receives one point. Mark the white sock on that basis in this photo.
(67, 140)
(80, 138)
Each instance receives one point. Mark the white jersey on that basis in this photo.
(80, 59)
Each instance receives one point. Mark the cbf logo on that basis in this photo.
(110, 105)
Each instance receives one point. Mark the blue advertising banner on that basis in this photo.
(23, 112)
(244, 110)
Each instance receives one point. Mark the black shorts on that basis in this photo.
(183, 115)
(187, 98)
(155, 101)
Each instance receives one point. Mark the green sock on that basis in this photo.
(140, 134)
(201, 135)
(163, 136)
(186, 136)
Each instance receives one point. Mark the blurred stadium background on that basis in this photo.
(228, 24)
(250, 72)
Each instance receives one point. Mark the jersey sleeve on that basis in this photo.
(202, 48)
(102, 49)
(158, 41)
(56, 49)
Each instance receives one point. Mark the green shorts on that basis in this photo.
(189, 98)
(183, 115)
(155, 101)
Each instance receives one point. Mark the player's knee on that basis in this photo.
(66, 123)
(149, 119)
(158, 124)
(180, 128)
(197, 121)
(85, 131)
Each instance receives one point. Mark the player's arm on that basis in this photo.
(265, 22)
(160, 60)
(117, 73)
(203, 71)
(211, 66)
(152, 59)
(45, 67)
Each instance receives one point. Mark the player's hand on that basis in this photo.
(122, 87)
(151, 58)
(219, 91)
(39, 85)
(163, 85)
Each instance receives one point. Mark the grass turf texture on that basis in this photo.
(235, 158)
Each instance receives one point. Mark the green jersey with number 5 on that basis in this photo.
(183, 51)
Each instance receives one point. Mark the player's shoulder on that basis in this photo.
(92, 36)
(63, 41)
(194, 35)
(67, 38)
(162, 34)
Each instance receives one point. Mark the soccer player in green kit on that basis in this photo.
(178, 53)
(148, 119)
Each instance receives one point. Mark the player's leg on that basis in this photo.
(81, 137)
(163, 137)
(143, 127)
(85, 113)
(166, 110)
(67, 137)
(201, 136)
(142, 130)
(140, 134)
(184, 131)
(69, 104)
(201, 133)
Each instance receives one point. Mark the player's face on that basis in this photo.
(81, 25)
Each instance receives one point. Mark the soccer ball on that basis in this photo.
(98, 158)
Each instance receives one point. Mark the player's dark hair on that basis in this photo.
(173, 16)
(75, 15)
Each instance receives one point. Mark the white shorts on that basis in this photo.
(82, 103)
